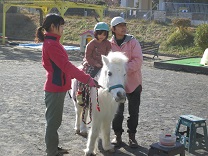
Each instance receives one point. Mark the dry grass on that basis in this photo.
(23, 27)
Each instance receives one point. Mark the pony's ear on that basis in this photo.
(105, 60)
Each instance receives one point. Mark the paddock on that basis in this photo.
(166, 95)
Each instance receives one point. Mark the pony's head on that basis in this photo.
(113, 75)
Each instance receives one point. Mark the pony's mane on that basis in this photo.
(117, 57)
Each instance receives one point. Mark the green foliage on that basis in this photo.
(141, 29)
(159, 22)
(180, 38)
(181, 41)
(181, 23)
(201, 36)
(182, 51)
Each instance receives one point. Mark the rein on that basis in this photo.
(90, 104)
(87, 91)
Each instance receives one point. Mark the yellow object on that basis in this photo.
(79, 98)
(46, 7)
(88, 39)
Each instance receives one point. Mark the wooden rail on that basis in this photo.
(150, 48)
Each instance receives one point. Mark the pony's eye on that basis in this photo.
(109, 73)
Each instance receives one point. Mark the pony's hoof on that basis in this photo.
(112, 150)
(90, 154)
(84, 134)
(77, 131)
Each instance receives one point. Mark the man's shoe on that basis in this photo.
(132, 141)
(62, 151)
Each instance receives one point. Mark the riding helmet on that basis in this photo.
(101, 26)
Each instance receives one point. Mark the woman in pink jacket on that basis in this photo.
(121, 41)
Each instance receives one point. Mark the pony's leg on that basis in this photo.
(92, 138)
(83, 127)
(78, 112)
(76, 106)
(105, 133)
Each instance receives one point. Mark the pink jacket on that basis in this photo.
(132, 49)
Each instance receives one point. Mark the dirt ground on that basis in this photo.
(166, 95)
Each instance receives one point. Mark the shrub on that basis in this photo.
(201, 36)
(180, 38)
(181, 23)
(159, 22)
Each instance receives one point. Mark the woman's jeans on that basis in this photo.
(133, 110)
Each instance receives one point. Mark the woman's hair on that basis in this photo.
(113, 33)
(99, 32)
(55, 19)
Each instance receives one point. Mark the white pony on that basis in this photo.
(112, 78)
(204, 59)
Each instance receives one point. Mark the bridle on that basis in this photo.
(115, 86)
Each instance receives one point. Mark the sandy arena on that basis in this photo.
(166, 95)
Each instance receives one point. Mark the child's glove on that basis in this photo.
(93, 83)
